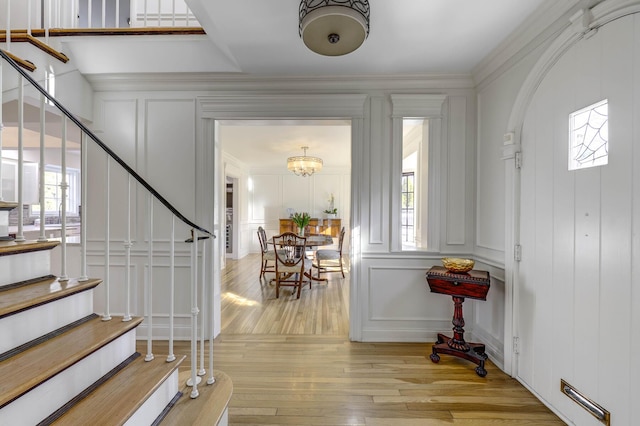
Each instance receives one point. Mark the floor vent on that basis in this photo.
(594, 409)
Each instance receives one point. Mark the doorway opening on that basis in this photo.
(264, 194)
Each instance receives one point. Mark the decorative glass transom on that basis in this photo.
(589, 136)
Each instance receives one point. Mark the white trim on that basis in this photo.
(219, 107)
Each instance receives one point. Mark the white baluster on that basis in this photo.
(107, 243)
(29, 17)
(104, 14)
(83, 208)
(89, 13)
(63, 205)
(211, 380)
(173, 13)
(172, 285)
(149, 292)
(187, 15)
(48, 22)
(42, 236)
(1, 128)
(144, 15)
(8, 31)
(159, 13)
(127, 260)
(203, 318)
(194, 380)
(20, 235)
(117, 18)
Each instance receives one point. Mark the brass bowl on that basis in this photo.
(457, 265)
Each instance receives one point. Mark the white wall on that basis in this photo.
(271, 192)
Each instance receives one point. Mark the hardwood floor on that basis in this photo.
(249, 305)
(292, 366)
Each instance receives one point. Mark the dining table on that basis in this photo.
(312, 242)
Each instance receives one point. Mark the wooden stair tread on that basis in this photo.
(13, 247)
(8, 205)
(207, 408)
(40, 292)
(116, 400)
(28, 369)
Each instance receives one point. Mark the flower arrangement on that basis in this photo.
(301, 220)
(331, 209)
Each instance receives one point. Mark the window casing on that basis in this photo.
(417, 127)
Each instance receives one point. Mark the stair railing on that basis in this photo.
(199, 235)
(49, 14)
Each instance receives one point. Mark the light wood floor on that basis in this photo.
(290, 366)
(249, 304)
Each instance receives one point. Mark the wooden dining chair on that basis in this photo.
(291, 262)
(267, 254)
(328, 260)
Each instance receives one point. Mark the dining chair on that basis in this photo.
(267, 255)
(332, 258)
(291, 262)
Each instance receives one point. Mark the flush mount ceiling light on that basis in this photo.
(333, 27)
(304, 166)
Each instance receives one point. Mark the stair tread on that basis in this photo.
(13, 247)
(207, 409)
(28, 369)
(39, 292)
(115, 401)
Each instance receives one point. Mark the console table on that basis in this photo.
(473, 284)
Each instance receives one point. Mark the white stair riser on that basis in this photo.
(25, 326)
(153, 406)
(24, 266)
(43, 400)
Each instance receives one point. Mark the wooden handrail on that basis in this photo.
(19, 61)
(23, 36)
(102, 145)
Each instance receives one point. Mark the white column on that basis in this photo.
(117, 19)
(89, 13)
(159, 13)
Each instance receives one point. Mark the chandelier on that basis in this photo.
(333, 27)
(304, 166)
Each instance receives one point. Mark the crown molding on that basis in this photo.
(270, 83)
(548, 21)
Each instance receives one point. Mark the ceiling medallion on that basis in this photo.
(303, 165)
(333, 27)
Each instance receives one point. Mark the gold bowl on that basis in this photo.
(455, 264)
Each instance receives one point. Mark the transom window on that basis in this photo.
(589, 136)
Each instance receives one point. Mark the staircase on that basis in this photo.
(60, 363)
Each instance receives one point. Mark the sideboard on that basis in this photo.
(316, 226)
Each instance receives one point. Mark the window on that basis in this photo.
(417, 130)
(589, 136)
(415, 176)
(53, 192)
